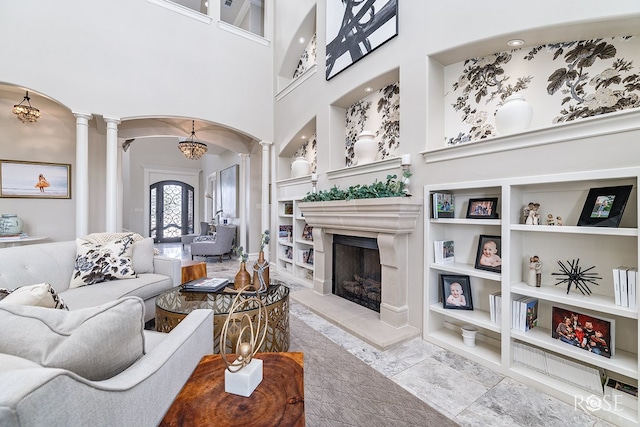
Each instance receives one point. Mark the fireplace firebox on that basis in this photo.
(357, 271)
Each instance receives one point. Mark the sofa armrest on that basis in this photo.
(140, 395)
(168, 267)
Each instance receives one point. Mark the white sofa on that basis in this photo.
(40, 382)
(53, 263)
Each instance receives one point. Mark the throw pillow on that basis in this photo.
(98, 263)
(143, 256)
(102, 238)
(41, 295)
(95, 343)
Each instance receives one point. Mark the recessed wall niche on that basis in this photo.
(563, 82)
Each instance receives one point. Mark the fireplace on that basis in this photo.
(357, 273)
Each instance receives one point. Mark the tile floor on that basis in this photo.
(465, 391)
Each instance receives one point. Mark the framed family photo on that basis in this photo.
(593, 334)
(456, 292)
(37, 180)
(604, 206)
(484, 208)
(489, 254)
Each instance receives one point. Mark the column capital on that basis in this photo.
(110, 120)
(266, 144)
(244, 155)
(79, 115)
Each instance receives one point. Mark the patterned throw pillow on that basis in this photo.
(99, 263)
(41, 295)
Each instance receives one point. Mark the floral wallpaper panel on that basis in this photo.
(562, 82)
(379, 113)
(307, 59)
(309, 151)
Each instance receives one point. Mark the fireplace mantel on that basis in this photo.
(395, 215)
(389, 220)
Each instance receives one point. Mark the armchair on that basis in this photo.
(221, 245)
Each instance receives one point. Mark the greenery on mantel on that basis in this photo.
(391, 188)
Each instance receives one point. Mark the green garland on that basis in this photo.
(391, 188)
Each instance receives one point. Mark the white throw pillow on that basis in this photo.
(41, 295)
(143, 256)
(95, 343)
(98, 263)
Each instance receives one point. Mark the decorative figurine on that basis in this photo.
(533, 216)
(575, 275)
(550, 220)
(535, 271)
(558, 220)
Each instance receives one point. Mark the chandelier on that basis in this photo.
(25, 112)
(192, 148)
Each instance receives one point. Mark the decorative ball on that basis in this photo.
(245, 350)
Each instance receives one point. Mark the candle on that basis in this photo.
(314, 177)
(406, 159)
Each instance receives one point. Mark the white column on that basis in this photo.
(266, 179)
(82, 173)
(111, 205)
(244, 195)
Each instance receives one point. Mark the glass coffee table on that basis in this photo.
(175, 304)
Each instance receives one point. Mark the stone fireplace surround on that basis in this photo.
(389, 221)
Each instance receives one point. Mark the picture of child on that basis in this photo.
(490, 256)
(42, 183)
(456, 298)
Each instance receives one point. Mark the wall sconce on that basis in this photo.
(25, 112)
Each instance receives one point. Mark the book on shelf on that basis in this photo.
(494, 307)
(529, 314)
(516, 310)
(616, 285)
(443, 205)
(624, 295)
(307, 232)
(205, 284)
(306, 256)
(13, 236)
(285, 233)
(443, 251)
(632, 287)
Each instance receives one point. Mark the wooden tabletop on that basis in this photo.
(277, 401)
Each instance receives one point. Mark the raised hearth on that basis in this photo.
(388, 220)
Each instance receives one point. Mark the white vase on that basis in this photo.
(514, 115)
(300, 167)
(365, 149)
(469, 335)
(10, 224)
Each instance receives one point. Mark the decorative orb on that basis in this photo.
(245, 350)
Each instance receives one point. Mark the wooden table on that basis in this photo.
(277, 401)
(192, 270)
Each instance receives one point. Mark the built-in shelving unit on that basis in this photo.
(295, 242)
(602, 247)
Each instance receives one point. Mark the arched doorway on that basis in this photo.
(171, 210)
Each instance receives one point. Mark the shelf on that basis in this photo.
(305, 265)
(598, 231)
(285, 243)
(482, 352)
(465, 269)
(286, 215)
(559, 295)
(622, 362)
(466, 221)
(305, 242)
(288, 261)
(478, 318)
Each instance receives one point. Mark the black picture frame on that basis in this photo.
(450, 301)
(604, 206)
(489, 262)
(354, 29)
(483, 208)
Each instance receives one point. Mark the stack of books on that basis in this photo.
(524, 313)
(443, 251)
(495, 307)
(205, 284)
(625, 281)
(13, 236)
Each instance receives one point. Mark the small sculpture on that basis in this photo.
(533, 216)
(558, 220)
(575, 275)
(550, 220)
(535, 271)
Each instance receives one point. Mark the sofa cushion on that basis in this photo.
(41, 295)
(143, 256)
(98, 263)
(95, 343)
(9, 362)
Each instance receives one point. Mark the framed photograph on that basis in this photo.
(456, 292)
(307, 232)
(593, 334)
(355, 28)
(443, 205)
(604, 206)
(483, 208)
(35, 180)
(489, 254)
(229, 192)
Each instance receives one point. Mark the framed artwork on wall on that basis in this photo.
(37, 180)
(229, 192)
(355, 28)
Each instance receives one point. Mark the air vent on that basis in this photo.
(227, 3)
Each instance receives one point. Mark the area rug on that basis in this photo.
(341, 390)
